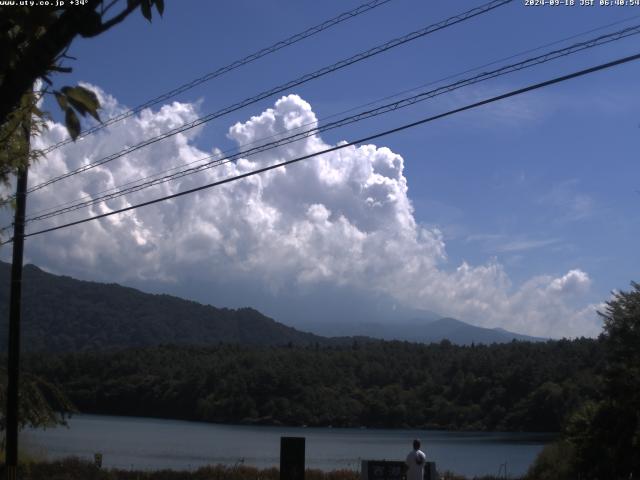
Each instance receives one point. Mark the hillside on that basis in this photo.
(64, 314)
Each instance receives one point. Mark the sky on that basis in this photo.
(521, 214)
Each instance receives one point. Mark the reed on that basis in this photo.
(78, 469)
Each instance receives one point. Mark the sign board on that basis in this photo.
(388, 470)
(291, 458)
(383, 470)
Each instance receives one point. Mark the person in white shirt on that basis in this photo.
(415, 462)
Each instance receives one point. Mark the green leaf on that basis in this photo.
(79, 107)
(72, 122)
(62, 100)
(145, 7)
(83, 100)
(83, 95)
(160, 6)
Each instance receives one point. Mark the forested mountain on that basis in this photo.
(514, 386)
(64, 314)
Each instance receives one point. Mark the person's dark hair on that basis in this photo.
(416, 444)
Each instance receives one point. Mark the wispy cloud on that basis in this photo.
(526, 244)
(567, 202)
(501, 243)
(510, 112)
(484, 237)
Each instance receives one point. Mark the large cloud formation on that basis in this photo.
(342, 222)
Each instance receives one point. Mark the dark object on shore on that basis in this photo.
(292, 458)
(382, 470)
(389, 470)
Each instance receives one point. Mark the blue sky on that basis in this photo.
(539, 185)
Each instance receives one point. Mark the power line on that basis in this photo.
(365, 7)
(281, 88)
(527, 63)
(117, 189)
(485, 65)
(512, 93)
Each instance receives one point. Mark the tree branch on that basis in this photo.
(113, 21)
(108, 7)
(40, 55)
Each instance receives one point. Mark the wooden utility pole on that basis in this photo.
(13, 368)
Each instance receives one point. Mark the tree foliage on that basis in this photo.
(14, 149)
(601, 440)
(35, 41)
(517, 386)
(42, 404)
(607, 434)
(622, 338)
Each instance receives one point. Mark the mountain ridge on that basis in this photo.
(61, 313)
(427, 330)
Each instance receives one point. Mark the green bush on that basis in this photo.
(554, 462)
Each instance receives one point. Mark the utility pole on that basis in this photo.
(13, 368)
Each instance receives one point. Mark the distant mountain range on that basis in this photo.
(64, 314)
(427, 329)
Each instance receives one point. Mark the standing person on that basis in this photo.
(415, 462)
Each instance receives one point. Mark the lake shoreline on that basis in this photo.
(278, 424)
(152, 444)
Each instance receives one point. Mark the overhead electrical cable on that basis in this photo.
(301, 127)
(286, 86)
(485, 65)
(365, 7)
(422, 121)
(528, 63)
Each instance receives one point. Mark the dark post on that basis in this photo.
(291, 458)
(13, 368)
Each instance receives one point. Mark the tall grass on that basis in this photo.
(78, 469)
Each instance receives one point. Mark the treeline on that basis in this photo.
(517, 386)
(601, 438)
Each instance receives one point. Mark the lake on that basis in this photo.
(149, 444)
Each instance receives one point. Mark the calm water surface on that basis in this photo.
(146, 443)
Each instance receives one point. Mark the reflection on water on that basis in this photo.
(145, 443)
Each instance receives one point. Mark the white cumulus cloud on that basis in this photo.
(343, 220)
